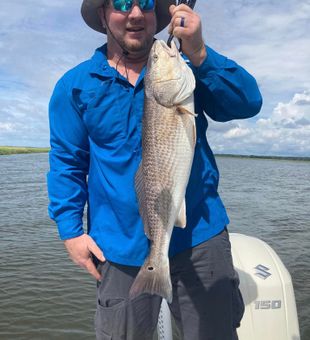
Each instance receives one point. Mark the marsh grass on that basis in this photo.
(11, 150)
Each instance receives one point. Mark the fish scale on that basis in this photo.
(168, 143)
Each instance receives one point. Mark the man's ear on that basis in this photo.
(100, 12)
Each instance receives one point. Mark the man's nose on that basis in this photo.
(136, 11)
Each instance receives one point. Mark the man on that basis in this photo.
(95, 121)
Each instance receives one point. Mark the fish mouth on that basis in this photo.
(160, 44)
(158, 81)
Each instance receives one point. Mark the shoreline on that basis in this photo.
(284, 158)
(14, 150)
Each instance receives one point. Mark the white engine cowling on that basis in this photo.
(267, 290)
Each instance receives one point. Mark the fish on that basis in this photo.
(168, 145)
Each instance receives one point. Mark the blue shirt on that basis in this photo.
(95, 133)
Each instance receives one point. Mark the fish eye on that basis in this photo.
(155, 57)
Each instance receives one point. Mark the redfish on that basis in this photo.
(168, 143)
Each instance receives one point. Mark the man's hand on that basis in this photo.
(80, 250)
(192, 43)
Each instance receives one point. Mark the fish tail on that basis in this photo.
(153, 280)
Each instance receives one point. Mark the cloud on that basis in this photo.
(285, 133)
(237, 132)
(270, 38)
(6, 127)
(22, 119)
(42, 39)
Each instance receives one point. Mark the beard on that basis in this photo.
(136, 45)
(128, 42)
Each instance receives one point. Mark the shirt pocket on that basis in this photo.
(103, 113)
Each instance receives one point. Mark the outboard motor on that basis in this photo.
(267, 290)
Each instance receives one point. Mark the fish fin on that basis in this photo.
(183, 110)
(187, 86)
(181, 219)
(141, 198)
(153, 280)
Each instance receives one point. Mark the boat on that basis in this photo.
(267, 290)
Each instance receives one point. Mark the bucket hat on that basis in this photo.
(91, 17)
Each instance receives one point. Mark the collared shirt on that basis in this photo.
(95, 133)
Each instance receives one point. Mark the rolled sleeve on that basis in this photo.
(69, 163)
(225, 90)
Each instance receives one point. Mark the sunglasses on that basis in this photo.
(126, 5)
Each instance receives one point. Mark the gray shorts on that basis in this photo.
(207, 303)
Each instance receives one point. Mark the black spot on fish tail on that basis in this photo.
(152, 280)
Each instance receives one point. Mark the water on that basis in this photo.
(45, 296)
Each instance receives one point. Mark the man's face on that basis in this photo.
(133, 30)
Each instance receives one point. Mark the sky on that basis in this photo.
(41, 39)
